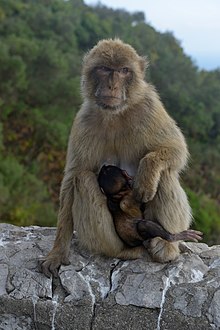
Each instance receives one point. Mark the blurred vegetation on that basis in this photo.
(41, 46)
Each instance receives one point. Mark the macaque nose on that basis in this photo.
(113, 81)
(112, 87)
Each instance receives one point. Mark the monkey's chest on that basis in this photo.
(128, 165)
(120, 149)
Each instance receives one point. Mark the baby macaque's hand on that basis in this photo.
(187, 235)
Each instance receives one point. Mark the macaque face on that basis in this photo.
(113, 75)
(111, 86)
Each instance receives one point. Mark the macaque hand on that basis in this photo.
(50, 264)
(146, 182)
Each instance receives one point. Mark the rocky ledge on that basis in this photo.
(99, 293)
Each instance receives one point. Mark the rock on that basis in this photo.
(101, 293)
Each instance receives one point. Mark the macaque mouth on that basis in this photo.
(109, 107)
(110, 102)
(111, 97)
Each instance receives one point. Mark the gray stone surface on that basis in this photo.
(99, 293)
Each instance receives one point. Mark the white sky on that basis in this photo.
(196, 23)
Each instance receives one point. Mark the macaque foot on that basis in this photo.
(184, 248)
(50, 264)
(163, 251)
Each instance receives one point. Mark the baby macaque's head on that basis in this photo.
(114, 181)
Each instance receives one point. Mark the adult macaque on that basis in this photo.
(116, 184)
(121, 122)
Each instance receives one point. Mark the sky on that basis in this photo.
(195, 23)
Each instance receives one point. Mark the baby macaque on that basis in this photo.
(116, 184)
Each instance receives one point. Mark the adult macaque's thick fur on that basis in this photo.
(133, 131)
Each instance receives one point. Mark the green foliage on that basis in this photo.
(54, 132)
(23, 198)
(41, 48)
(12, 77)
(1, 137)
(206, 216)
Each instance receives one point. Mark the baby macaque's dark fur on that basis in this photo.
(116, 184)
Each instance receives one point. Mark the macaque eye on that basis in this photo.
(124, 70)
(104, 68)
(125, 187)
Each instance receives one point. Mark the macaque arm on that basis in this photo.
(167, 151)
(149, 229)
(65, 225)
(60, 251)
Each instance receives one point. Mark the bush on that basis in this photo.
(206, 216)
(24, 199)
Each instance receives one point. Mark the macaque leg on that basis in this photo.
(171, 208)
(133, 253)
(93, 222)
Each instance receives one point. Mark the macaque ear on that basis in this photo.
(143, 63)
(126, 175)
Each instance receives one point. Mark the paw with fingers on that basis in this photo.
(50, 265)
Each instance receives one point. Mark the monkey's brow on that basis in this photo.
(113, 68)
